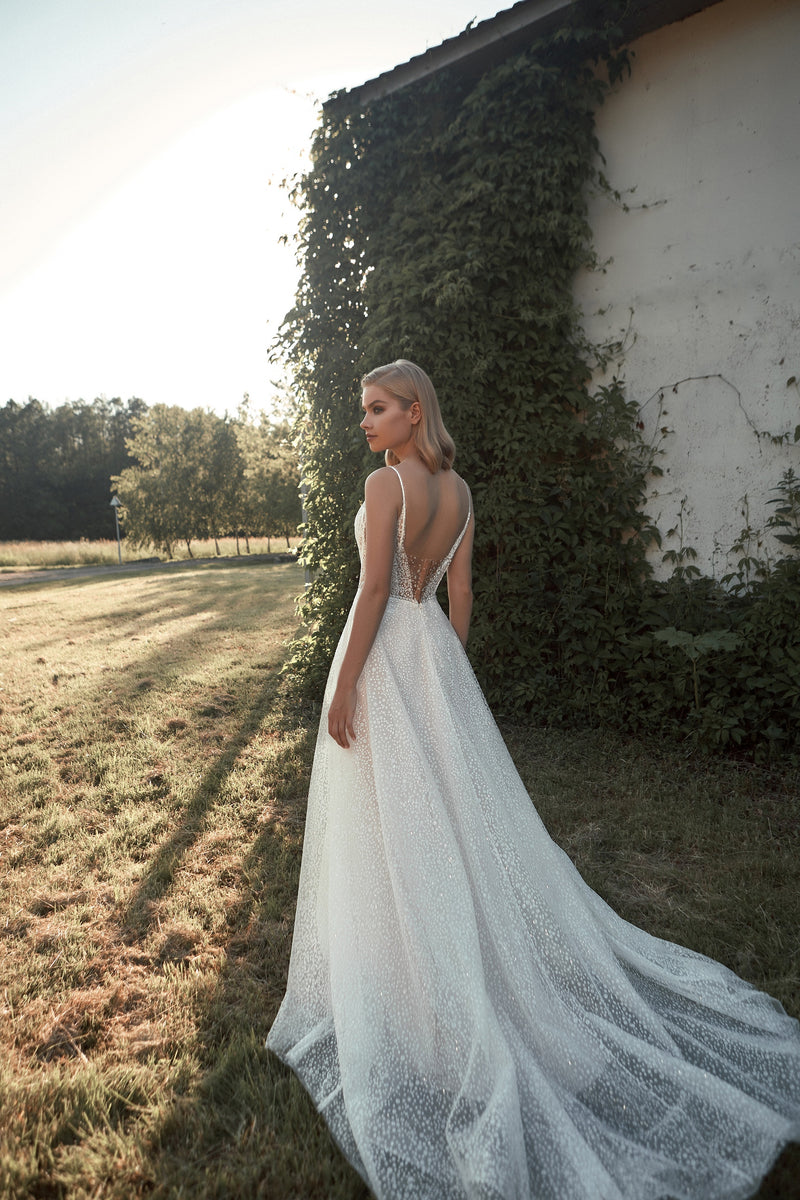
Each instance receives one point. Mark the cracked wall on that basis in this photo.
(701, 275)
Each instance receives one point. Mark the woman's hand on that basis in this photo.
(341, 715)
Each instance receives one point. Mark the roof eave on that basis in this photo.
(511, 31)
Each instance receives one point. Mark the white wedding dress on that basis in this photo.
(470, 1018)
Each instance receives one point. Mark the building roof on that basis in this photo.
(513, 29)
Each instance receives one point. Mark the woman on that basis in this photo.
(469, 1017)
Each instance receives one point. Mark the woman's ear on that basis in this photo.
(416, 413)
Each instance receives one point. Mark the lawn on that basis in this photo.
(150, 833)
(16, 555)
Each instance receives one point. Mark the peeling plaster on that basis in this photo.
(701, 276)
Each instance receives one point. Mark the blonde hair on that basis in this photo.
(407, 382)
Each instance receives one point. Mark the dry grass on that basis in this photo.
(14, 555)
(150, 834)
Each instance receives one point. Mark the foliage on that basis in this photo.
(786, 517)
(713, 663)
(695, 645)
(197, 475)
(444, 223)
(55, 465)
(268, 505)
(742, 639)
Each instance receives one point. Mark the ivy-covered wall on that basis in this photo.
(445, 224)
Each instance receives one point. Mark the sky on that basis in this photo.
(142, 148)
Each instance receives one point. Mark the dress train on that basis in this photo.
(471, 1019)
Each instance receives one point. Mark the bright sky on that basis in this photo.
(142, 145)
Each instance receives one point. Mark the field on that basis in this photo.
(87, 553)
(150, 832)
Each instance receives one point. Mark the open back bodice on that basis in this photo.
(415, 576)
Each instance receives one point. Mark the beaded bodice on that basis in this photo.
(413, 578)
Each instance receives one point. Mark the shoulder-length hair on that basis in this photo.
(407, 382)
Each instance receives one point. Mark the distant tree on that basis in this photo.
(271, 496)
(157, 493)
(55, 466)
(248, 515)
(218, 476)
(187, 481)
(147, 515)
(197, 475)
(89, 446)
(27, 495)
(283, 494)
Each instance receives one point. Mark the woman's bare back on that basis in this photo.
(437, 507)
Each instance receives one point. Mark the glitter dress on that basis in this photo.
(470, 1018)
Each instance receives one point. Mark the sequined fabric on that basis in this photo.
(413, 577)
(469, 1017)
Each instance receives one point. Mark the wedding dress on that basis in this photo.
(470, 1018)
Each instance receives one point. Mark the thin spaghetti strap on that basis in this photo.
(400, 477)
(469, 514)
(402, 521)
(469, 501)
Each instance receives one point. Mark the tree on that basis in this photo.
(26, 489)
(55, 466)
(271, 495)
(197, 475)
(158, 492)
(217, 475)
(89, 447)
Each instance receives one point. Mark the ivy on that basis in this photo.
(445, 223)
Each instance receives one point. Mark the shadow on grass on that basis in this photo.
(69, 574)
(154, 1117)
(224, 1120)
(247, 1123)
(165, 633)
(246, 1127)
(172, 600)
(161, 870)
(243, 1126)
(257, 1131)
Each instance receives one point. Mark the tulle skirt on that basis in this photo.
(471, 1019)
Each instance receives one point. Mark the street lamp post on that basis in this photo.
(115, 504)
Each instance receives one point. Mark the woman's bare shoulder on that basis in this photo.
(382, 484)
(462, 481)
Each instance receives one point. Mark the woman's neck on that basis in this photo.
(407, 451)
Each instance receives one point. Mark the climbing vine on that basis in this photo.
(445, 223)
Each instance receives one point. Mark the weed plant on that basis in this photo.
(151, 823)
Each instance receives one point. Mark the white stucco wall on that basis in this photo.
(703, 274)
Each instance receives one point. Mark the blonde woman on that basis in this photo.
(469, 1017)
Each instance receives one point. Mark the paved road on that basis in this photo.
(24, 575)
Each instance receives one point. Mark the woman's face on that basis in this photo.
(387, 425)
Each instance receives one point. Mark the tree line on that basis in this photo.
(180, 475)
(197, 475)
(55, 467)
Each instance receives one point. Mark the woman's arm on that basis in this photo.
(459, 584)
(382, 497)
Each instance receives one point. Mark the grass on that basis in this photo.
(150, 836)
(16, 555)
